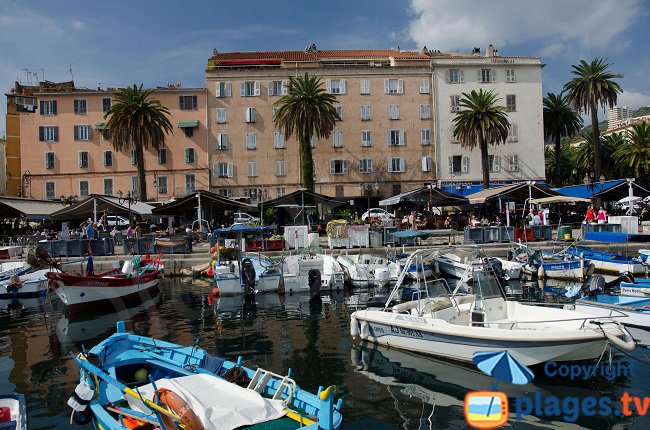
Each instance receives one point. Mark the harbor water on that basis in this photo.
(381, 388)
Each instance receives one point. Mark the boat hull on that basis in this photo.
(17, 410)
(569, 269)
(637, 321)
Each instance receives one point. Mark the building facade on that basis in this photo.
(382, 146)
(518, 83)
(66, 148)
(3, 167)
(617, 117)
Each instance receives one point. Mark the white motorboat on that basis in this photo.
(418, 269)
(444, 323)
(31, 284)
(233, 279)
(295, 269)
(362, 269)
(459, 262)
(11, 268)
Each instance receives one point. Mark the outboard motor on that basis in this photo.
(497, 268)
(314, 280)
(596, 286)
(248, 276)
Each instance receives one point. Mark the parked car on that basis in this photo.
(377, 213)
(117, 220)
(244, 218)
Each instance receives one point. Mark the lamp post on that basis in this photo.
(130, 197)
(368, 189)
(590, 182)
(155, 183)
(574, 176)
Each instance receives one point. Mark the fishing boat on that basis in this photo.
(608, 262)
(455, 326)
(296, 267)
(552, 265)
(128, 380)
(12, 268)
(644, 255)
(13, 412)
(26, 285)
(133, 282)
(420, 268)
(362, 269)
(636, 288)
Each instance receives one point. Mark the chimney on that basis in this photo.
(476, 52)
(490, 51)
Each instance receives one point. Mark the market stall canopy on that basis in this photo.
(99, 204)
(514, 192)
(191, 202)
(427, 195)
(558, 199)
(303, 198)
(13, 207)
(608, 190)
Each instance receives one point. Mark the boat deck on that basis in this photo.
(637, 303)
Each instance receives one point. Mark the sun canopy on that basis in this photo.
(607, 190)
(209, 200)
(424, 196)
(98, 204)
(559, 199)
(303, 198)
(515, 192)
(240, 228)
(12, 207)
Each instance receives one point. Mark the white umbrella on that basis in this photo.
(629, 199)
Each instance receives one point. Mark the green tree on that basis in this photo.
(560, 120)
(633, 155)
(481, 122)
(141, 121)
(566, 164)
(584, 156)
(593, 85)
(307, 110)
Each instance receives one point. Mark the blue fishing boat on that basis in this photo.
(636, 288)
(9, 269)
(129, 380)
(608, 261)
(13, 413)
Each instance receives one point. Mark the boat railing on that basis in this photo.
(401, 277)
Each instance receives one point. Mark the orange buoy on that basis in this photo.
(215, 291)
(177, 405)
(209, 272)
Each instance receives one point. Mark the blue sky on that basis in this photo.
(155, 42)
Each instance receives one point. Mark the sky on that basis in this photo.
(119, 43)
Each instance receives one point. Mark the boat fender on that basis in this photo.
(590, 269)
(365, 330)
(79, 401)
(436, 267)
(625, 344)
(177, 405)
(354, 327)
(541, 273)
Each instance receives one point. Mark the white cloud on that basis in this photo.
(633, 99)
(78, 25)
(463, 24)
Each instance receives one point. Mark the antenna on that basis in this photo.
(29, 81)
(43, 74)
(70, 70)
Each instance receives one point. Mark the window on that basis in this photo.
(48, 134)
(511, 103)
(278, 88)
(189, 131)
(486, 75)
(454, 138)
(134, 157)
(223, 170)
(397, 189)
(455, 76)
(395, 138)
(106, 104)
(48, 107)
(458, 164)
(83, 159)
(338, 167)
(251, 140)
(425, 111)
(427, 164)
(80, 107)
(190, 182)
(335, 86)
(222, 89)
(251, 114)
(190, 155)
(221, 115)
(424, 86)
(280, 191)
(425, 137)
(393, 112)
(50, 190)
(366, 138)
(225, 192)
(512, 133)
(337, 139)
(393, 86)
(135, 186)
(83, 188)
(82, 132)
(396, 165)
(162, 155)
(278, 140)
(366, 113)
(249, 88)
(108, 158)
(510, 76)
(106, 134)
(222, 141)
(455, 103)
(162, 185)
(494, 163)
(252, 168)
(339, 112)
(108, 186)
(339, 191)
(49, 160)
(364, 86)
(513, 163)
(187, 102)
(279, 168)
(365, 165)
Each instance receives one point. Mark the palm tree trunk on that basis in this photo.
(485, 163)
(556, 176)
(139, 153)
(306, 162)
(595, 133)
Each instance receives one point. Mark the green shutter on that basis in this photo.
(76, 127)
(181, 103)
(41, 134)
(56, 134)
(54, 107)
(42, 104)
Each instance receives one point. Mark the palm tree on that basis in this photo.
(481, 122)
(138, 120)
(566, 164)
(634, 154)
(593, 85)
(584, 155)
(559, 120)
(307, 110)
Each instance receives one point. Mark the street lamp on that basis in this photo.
(368, 189)
(130, 198)
(155, 183)
(590, 182)
(70, 200)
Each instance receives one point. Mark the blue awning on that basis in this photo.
(607, 190)
(411, 233)
(587, 191)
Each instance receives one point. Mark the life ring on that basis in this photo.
(177, 405)
(354, 327)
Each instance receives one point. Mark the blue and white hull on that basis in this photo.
(565, 269)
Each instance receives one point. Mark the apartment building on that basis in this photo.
(518, 83)
(383, 144)
(65, 147)
(617, 117)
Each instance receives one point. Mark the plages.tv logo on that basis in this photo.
(486, 409)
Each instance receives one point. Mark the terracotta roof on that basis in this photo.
(458, 55)
(319, 55)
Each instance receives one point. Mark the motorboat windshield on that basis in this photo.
(486, 285)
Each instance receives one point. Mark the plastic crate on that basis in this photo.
(506, 234)
(490, 234)
(274, 245)
(474, 235)
(547, 232)
(146, 245)
(131, 246)
(375, 239)
(77, 247)
(537, 232)
(523, 234)
(388, 237)
(100, 247)
(58, 247)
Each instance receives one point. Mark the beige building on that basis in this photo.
(65, 148)
(3, 167)
(383, 145)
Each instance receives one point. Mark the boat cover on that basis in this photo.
(218, 404)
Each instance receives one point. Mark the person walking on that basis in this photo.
(590, 218)
(90, 231)
(545, 213)
(602, 216)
